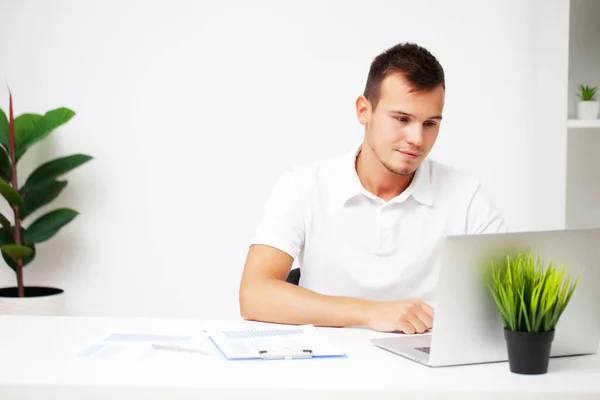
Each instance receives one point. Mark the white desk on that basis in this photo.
(38, 359)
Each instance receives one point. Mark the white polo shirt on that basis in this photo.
(348, 242)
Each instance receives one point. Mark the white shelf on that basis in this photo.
(579, 123)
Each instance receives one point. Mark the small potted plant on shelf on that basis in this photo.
(531, 297)
(18, 235)
(588, 105)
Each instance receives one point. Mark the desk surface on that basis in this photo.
(38, 358)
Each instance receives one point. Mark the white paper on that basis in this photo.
(244, 342)
(143, 347)
(117, 351)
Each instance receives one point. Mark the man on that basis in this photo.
(366, 227)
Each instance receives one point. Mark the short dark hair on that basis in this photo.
(415, 63)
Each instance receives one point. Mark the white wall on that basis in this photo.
(548, 155)
(583, 164)
(583, 194)
(584, 48)
(192, 109)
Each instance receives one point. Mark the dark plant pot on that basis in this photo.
(38, 300)
(30, 291)
(528, 352)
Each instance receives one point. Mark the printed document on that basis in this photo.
(250, 341)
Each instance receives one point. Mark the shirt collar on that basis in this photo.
(420, 188)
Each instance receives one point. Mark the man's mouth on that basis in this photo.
(409, 154)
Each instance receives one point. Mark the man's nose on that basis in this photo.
(414, 135)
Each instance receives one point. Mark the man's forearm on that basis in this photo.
(280, 302)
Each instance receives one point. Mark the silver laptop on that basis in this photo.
(467, 328)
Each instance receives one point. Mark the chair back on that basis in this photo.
(294, 276)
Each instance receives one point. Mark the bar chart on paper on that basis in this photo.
(249, 343)
(142, 346)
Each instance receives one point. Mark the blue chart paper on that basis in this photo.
(270, 341)
(137, 346)
(140, 337)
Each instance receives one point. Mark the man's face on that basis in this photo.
(404, 126)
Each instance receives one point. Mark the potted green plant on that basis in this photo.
(531, 296)
(588, 105)
(21, 231)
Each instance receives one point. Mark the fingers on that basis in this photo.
(415, 325)
(428, 309)
(407, 316)
(407, 326)
(424, 318)
(420, 317)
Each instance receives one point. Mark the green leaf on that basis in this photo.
(42, 127)
(530, 296)
(38, 196)
(49, 224)
(11, 195)
(527, 323)
(6, 237)
(5, 222)
(25, 124)
(51, 170)
(587, 93)
(5, 166)
(4, 131)
(17, 252)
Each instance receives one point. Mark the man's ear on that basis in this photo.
(363, 110)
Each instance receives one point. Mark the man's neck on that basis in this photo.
(376, 178)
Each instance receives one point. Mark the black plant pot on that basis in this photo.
(30, 291)
(528, 352)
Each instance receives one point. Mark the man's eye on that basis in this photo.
(402, 119)
(430, 123)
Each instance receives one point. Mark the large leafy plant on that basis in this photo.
(42, 186)
(530, 295)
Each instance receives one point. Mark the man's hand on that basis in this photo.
(408, 316)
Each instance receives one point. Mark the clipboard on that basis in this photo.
(259, 341)
(285, 355)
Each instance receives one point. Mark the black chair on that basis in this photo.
(294, 276)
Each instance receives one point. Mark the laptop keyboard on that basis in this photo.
(423, 349)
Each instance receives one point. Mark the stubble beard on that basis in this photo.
(403, 171)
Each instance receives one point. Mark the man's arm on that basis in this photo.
(279, 238)
(265, 296)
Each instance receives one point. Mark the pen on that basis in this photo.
(190, 347)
